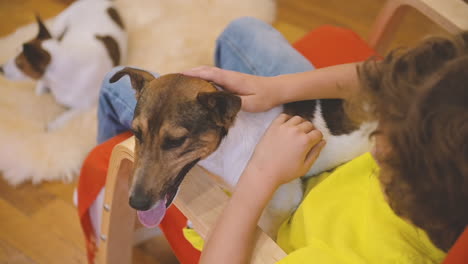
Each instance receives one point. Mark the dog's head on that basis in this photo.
(32, 61)
(178, 121)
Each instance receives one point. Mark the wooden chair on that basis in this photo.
(201, 199)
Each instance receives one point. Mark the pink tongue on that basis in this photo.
(153, 217)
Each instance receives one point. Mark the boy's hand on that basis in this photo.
(253, 90)
(287, 151)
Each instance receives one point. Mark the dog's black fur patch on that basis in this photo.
(114, 15)
(112, 48)
(332, 111)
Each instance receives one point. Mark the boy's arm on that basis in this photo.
(262, 93)
(339, 81)
(232, 239)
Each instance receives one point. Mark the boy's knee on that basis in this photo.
(243, 27)
(106, 85)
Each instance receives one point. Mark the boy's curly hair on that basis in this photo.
(420, 97)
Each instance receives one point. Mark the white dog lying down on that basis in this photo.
(85, 41)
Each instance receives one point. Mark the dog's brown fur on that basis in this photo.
(33, 60)
(112, 48)
(180, 120)
(114, 15)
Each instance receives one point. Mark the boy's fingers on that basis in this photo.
(306, 126)
(315, 135)
(224, 78)
(229, 80)
(313, 154)
(205, 72)
(295, 120)
(194, 72)
(197, 69)
(282, 118)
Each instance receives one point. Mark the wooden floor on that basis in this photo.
(39, 224)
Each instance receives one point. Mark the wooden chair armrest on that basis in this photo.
(449, 14)
(202, 200)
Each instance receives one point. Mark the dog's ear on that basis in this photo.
(139, 78)
(223, 106)
(36, 56)
(43, 33)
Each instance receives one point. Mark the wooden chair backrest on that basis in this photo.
(451, 15)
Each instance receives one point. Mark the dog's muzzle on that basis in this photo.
(151, 216)
(1, 69)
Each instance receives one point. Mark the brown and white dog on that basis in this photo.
(180, 121)
(85, 42)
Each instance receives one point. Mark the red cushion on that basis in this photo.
(330, 45)
(323, 46)
(172, 224)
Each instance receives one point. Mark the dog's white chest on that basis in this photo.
(232, 156)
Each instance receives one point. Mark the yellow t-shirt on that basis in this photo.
(345, 219)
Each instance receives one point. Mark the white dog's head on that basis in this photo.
(32, 61)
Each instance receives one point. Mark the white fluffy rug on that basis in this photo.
(164, 36)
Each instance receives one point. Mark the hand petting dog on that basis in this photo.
(287, 151)
(253, 90)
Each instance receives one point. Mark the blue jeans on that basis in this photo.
(247, 45)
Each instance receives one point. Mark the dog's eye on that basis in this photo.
(138, 134)
(170, 143)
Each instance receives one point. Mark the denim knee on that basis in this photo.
(106, 81)
(244, 27)
(116, 105)
(247, 44)
(252, 46)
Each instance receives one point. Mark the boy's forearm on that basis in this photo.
(340, 81)
(232, 239)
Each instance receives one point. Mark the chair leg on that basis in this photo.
(118, 219)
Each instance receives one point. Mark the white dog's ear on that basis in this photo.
(43, 33)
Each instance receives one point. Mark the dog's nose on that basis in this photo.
(1, 68)
(140, 202)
